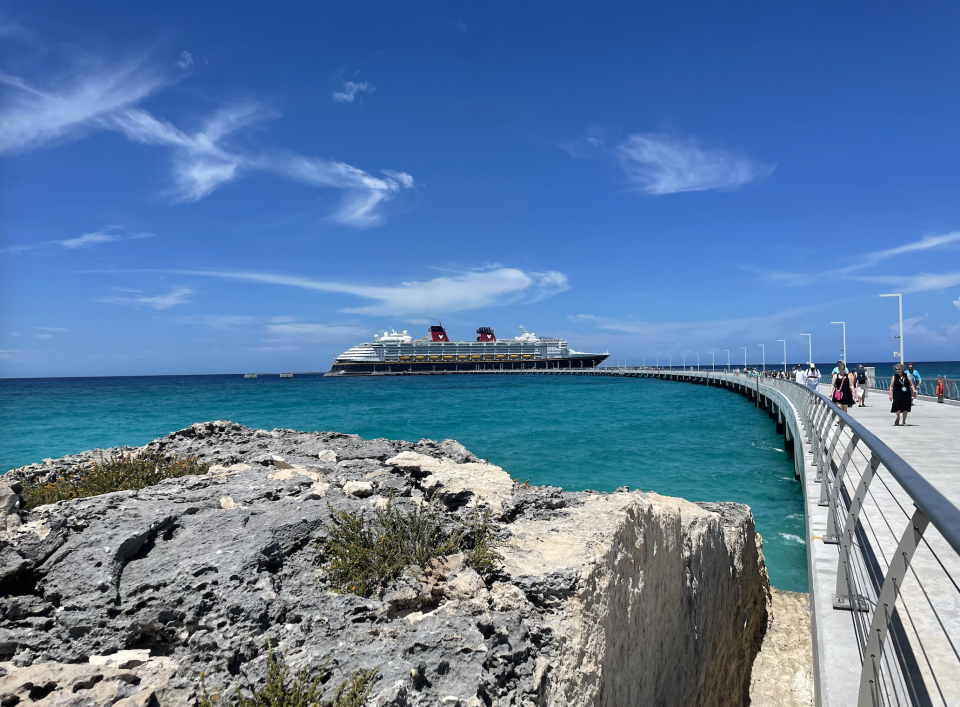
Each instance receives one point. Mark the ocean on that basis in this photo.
(700, 443)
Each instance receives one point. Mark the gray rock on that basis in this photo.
(600, 599)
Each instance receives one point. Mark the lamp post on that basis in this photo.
(900, 354)
(658, 362)
(784, 354)
(670, 356)
(728, 359)
(810, 344)
(713, 361)
(744, 358)
(843, 351)
(698, 362)
(684, 361)
(763, 356)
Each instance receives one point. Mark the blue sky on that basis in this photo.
(227, 187)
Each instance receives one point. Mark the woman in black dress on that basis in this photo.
(902, 392)
(843, 386)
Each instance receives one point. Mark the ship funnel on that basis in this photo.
(438, 333)
(485, 333)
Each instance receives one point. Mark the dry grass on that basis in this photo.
(121, 472)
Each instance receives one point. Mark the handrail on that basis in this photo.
(944, 515)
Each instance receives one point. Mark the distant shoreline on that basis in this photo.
(949, 369)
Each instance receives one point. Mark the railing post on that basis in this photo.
(828, 465)
(870, 688)
(846, 597)
(832, 534)
(822, 436)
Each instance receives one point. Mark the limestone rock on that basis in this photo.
(602, 599)
(360, 489)
(142, 683)
(458, 484)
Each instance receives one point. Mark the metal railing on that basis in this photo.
(951, 390)
(898, 541)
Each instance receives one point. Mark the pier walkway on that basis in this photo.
(883, 535)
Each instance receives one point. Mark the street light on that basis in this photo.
(763, 355)
(728, 358)
(671, 361)
(658, 362)
(744, 357)
(843, 351)
(784, 354)
(684, 361)
(810, 343)
(698, 362)
(895, 354)
(713, 362)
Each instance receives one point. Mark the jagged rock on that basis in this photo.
(360, 489)
(134, 683)
(602, 599)
(9, 511)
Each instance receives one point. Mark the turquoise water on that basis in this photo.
(704, 444)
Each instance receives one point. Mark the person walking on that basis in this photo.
(800, 375)
(902, 392)
(842, 387)
(914, 375)
(863, 384)
(813, 377)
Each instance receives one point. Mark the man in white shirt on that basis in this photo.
(813, 378)
(800, 376)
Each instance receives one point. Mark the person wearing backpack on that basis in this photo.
(863, 384)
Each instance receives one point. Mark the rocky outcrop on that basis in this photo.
(601, 599)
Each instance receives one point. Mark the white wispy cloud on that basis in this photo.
(462, 291)
(350, 91)
(33, 117)
(312, 333)
(186, 60)
(10, 354)
(956, 303)
(919, 282)
(177, 295)
(686, 337)
(657, 164)
(104, 235)
(107, 97)
(220, 322)
(50, 328)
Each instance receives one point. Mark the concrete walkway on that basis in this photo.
(930, 600)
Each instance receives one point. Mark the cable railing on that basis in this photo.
(898, 565)
(948, 386)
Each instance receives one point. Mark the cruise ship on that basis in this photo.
(394, 353)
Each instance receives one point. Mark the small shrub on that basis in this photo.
(354, 691)
(481, 553)
(121, 472)
(362, 555)
(366, 554)
(282, 690)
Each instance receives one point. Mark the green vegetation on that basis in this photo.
(365, 554)
(480, 544)
(282, 690)
(121, 472)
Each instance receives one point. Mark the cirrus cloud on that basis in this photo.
(473, 289)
